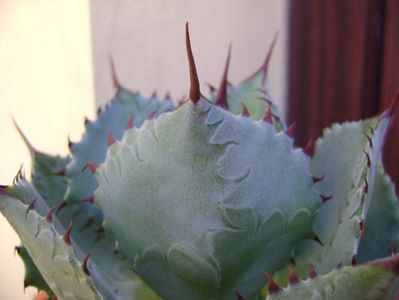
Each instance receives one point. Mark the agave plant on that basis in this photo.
(208, 199)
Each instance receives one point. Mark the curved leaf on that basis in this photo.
(365, 282)
(381, 231)
(55, 259)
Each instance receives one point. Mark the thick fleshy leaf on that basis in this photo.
(47, 172)
(33, 277)
(192, 200)
(48, 179)
(125, 110)
(364, 282)
(381, 231)
(111, 272)
(55, 259)
(347, 182)
(350, 180)
(344, 178)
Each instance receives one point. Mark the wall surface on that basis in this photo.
(146, 41)
(48, 49)
(46, 84)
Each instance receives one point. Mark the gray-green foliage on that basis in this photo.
(195, 202)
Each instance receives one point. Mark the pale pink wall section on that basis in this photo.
(46, 84)
(48, 49)
(146, 40)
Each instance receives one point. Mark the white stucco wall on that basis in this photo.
(146, 41)
(46, 84)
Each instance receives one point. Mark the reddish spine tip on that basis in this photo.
(85, 266)
(316, 239)
(130, 124)
(49, 216)
(195, 93)
(67, 234)
(366, 186)
(89, 199)
(268, 118)
(312, 271)
(86, 121)
(368, 159)
(245, 112)
(151, 116)
(316, 179)
(291, 130)
(221, 99)
(60, 206)
(309, 148)
(60, 173)
(32, 205)
(91, 166)
(273, 287)
(361, 225)
(70, 143)
(111, 140)
(293, 276)
(265, 64)
(370, 141)
(326, 198)
(238, 295)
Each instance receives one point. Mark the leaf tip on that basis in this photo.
(194, 82)
(221, 99)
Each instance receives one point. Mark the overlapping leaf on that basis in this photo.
(381, 232)
(55, 259)
(127, 109)
(364, 282)
(195, 206)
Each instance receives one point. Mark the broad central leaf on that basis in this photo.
(193, 201)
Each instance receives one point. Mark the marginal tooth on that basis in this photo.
(111, 140)
(316, 179)
(91, 166)
(67, 235)
(312, 271)
(293, 276)
(238, 295)
(326, 198)
(273, 287)
(291, 130)
(84, 265)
